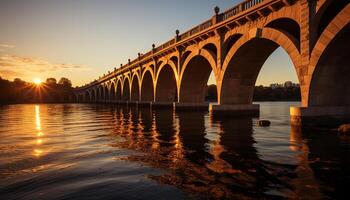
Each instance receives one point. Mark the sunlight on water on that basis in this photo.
(69, 151)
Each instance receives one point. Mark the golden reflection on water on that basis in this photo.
(218, 158)
(37, 152)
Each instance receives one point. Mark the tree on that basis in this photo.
(51, 81)
(65, 82)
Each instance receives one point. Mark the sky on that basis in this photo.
(83, 39)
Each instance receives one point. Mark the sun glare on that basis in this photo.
(37, 81)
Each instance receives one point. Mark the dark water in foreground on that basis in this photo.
(103, 152)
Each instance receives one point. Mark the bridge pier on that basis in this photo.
(144, 103)
(158, 105)
(191, 106)
(235, 110)
(331, 116)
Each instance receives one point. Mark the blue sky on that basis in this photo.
(82, 39)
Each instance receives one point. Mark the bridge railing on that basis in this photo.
(241, 7)
(197, 29)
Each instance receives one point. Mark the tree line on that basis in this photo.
(51, 91)
(263, 93)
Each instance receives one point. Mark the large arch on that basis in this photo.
(330, 84)
(166, 84)
(126, 89)
(135, 88)
(245, 59)
(328, 67)
(118, 91)
(112, 92)
(147, 88)
(195, 75)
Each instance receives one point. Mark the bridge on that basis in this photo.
(234, 45)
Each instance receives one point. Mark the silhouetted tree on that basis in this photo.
(51, 81)
(65, 82)
(19, 91)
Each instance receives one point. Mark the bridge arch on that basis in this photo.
(329, 64)
(147, 85)
(126, 89)
(106, 92)
(99, 93)
(287, 26)
(87, 96)
(112, 91)
(135, 87)
(230, 41)
(118, 90)
(166, 83)
(327, 12)
(244, 61)
(195, 74)
(93, 95)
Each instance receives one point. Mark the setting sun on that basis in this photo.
(37, 81)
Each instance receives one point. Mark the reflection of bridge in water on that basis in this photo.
(219, 157)
(234, 45)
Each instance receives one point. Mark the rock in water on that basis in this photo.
(264, 122)
(344, 128)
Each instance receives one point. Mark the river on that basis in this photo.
(89, 151)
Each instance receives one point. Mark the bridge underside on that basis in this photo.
(314, 34)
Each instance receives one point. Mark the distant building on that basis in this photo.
(286, 84)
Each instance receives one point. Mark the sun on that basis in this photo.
(37, 81)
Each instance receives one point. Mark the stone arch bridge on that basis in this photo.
(234, 45)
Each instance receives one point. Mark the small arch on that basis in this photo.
(230, 41)
(185, 55)
(112, 91)
(135, 88)
(118, 92)
(194, 77)
(286, 25)
(126, 89)
(210, 47)
(147, 87)
(166, 84)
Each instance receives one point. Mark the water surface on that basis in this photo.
(82, 151)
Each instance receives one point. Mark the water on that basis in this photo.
(76, 151)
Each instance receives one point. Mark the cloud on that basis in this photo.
(34, 64)
(12, 66)
(10, 73)
(3, 47)
(7, 46)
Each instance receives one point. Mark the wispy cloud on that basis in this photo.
(10, 73)
(4, 47)
(34, 64)
(16, 66)
(7, 46)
